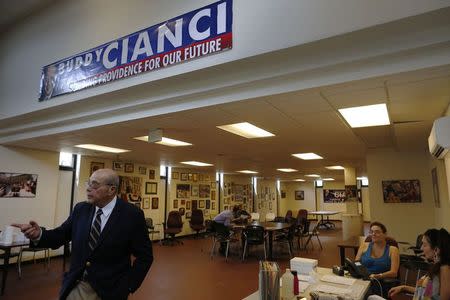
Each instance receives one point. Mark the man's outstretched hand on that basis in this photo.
(32, 230)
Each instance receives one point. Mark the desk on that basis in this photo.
(6, 255)
(270, 227)
(359, 288)
(324, 223)
(352, 243)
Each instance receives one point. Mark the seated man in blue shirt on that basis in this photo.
(222, 223)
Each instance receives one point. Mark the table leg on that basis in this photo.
(5, 268)
(342, 255)
(270, 244)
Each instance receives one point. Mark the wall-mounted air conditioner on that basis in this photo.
(439, 139)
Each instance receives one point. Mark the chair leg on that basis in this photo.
(317, 236)
(19, 264)
(245, 248)
(226, 251)
(213, 246)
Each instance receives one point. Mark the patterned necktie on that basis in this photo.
(95, 230)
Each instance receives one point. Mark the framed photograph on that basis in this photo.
(129, 168)
(213, 195)
(118, 166)
(175, 203)
(190, 176)
(194, 204)
(188, 204)
(96, 165)
(188, 214)
(155, 202)
(146, 203)
(299, 195)
(151, 174)
(208, 204)
(182, 210)
(175, 175)
(201, 203)
(151, 188)
(213, 205)
(213, 184)
(283, 194)
(195, 177)
(184, 176)
(207, 178)
(143, 171)
(401, 191)
(183, 190)
(434, 181)
(201, 177)
(270, 205)
(204, 190)
(18, 185)
(194, 190)
(351, 191)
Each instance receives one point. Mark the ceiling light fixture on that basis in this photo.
(196, 163)
(246, 130)
(366, 116)
(287, 170)
(102, 148)
(307, 156)
(248, 172)
(328, 179)
(165, 141)
(301, 180)
(312, 175)
(335, 168)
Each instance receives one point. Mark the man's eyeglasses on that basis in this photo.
(95, 185)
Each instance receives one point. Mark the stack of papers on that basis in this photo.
(303, 265)
(338, 279)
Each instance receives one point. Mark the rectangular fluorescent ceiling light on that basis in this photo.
(165, 141)
(312, 175)
(287, 170)
(248, 172)
(335, 168)
(328, 179)
(361, 178)
(246, 130)
(366, 116)
(101, 148)
(307, 156)
(302, 180)
(196, 163)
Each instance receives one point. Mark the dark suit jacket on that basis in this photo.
(108, 266)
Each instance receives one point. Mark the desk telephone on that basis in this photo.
(356, 269)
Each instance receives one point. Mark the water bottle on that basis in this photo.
(287, 285)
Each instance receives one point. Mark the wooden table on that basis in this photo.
(270, 227)
(7, 248)
(327, 224)
(351, 243)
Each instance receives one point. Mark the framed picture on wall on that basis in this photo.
(213, 205)
(188, 204)
(118, 166)
(183, 202)
(146, 203)
(401, 191)
(175, 203)
(299, 195)
(129, 168)
(151, 188)
(184, 176)
(175, 175)
(96, 165)
(143, 170)
(18, 185)
(155, 202)
(151, 174)
(283, 194)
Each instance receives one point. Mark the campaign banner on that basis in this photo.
(334, 196)
(198, 33)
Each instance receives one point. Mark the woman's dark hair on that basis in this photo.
(383, 228)
(439, 238)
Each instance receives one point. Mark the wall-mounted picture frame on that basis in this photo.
(96, 166)
(195, 177)
(213, 195)
(188, 204)
(401, 191)
(194, 190)
(151, 174)
(351, 191)
(117, 166)
(299, 195)
(213, 205)
(155, 202)
(204, 190)
(183, 202)
(213, 184)
(434, 182)
(129, 168)
(175, 203)
(183, 190)
(142, 170)
(334, 196)
(151, 188)
(184, 176)
(18, 185)
(201, 177)
(201, 203)
(146, 203)
(283, 194)
(175, 175)
(194, 204)
(208, 204)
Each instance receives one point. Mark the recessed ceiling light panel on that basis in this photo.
(307, 156)
(196, 163)
(165, 141)
(328, 179)
(366, 116)
(101, 148)
(248, 172)
(246, 130)
(287, 170)
(335, 168)
(313, 175)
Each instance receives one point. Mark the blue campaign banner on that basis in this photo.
(201, 32)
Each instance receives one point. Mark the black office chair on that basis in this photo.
(287, 238)
(151, 227)
(254, 235)
(173, 226)
(197, 221)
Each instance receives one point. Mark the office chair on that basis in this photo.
(173, 226)
(287, 238)
(151, 227)
(254, 235)
(288, 216)
(34, 250)
(197, 221)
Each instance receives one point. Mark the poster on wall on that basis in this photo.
(18, 185)
(401, 191)
(201, 32)
(333, 196)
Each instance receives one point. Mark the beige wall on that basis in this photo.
(443, 213)
(403, 220)
(290, 203)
